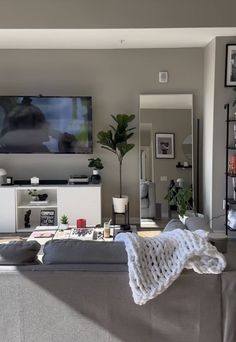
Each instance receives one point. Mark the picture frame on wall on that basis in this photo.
(230, 65)
(165, 145)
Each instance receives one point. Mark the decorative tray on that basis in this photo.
(82, 233)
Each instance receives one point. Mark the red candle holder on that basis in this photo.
(81, 223)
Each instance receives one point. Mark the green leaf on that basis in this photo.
(106, 139)
(124, 148)
(130, 129)
(109, 149)
(129, 136)
(96, 163)
(114, 129)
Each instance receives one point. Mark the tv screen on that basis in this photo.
(30, 124)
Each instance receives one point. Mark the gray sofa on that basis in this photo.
(148, 199)
(91, 301)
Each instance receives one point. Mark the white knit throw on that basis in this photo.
(154, 263)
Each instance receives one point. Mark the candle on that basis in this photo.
(81, 223)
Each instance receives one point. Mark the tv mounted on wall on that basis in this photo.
(43, 124)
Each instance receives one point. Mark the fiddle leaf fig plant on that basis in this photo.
(116, 139)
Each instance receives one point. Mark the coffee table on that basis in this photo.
(70, 233)
(42, 234)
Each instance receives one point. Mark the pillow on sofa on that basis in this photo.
(174, 224)
(143, 189)
(70, 251)
(194, 222)
(19, 253)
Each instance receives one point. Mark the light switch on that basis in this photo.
(163, 77)
(163, 178)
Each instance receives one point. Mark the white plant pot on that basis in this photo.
(119, 204)
(190, 213)
(63, 226)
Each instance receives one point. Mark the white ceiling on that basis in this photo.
(109, 38)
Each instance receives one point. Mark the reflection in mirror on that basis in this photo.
(187, 148)
(165, 153)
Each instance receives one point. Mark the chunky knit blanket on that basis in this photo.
(154, 263)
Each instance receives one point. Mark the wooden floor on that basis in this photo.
(149, 233)
(154, 224)
(13, 237)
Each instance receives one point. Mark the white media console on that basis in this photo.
(74, 201)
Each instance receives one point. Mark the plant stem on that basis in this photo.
(120, 177)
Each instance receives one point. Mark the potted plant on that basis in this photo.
(115, 140)
(64, 222)
(34, 194)
(181, 197)
(97, 165)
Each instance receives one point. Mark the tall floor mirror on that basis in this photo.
(166, 153)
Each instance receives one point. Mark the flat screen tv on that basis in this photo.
(43, 124)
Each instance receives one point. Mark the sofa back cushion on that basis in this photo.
(143, 189)
(144, 203)
(19, 253)
(71, 251)
(194, 222)
(174, 224)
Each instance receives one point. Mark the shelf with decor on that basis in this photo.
(228, 228)
(232, 175)
(30, 203)
(231, 201)
(38, 206)
(181, 166)
(22, 213)
(230, 168)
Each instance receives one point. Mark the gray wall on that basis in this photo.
(116, 13)
(115, 79)
(145, 138)
(215, 97)
(179, 122)
(208, 119)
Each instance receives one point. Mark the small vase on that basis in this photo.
(95, 178)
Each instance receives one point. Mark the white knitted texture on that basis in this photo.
(154, 263)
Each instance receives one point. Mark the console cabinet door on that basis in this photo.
(80, 202)
(7, 210)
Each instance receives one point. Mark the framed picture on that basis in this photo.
(230, 66)
(47, 218)
(165, 145)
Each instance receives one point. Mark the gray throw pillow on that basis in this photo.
(195, 222)
(143, 189)
(70, 251)
(174, 224)
(19, 253)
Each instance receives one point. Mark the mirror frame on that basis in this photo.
(169, 101)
